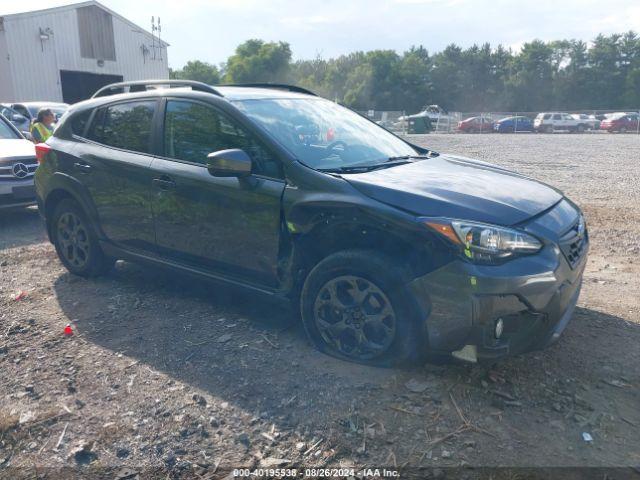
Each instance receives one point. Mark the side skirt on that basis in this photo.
(135, 257)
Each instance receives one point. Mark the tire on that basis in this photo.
(76, 242)
(383, 327)
(622, 130)
(549, 129)
(580, 129)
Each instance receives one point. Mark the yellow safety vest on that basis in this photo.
(44, 132)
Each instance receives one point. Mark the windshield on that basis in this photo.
(6, 131)
(324, 135)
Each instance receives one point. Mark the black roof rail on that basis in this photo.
(277, 86)
(141, 86)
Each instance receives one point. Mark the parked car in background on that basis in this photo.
(21, 122)
(621, 123)
(549, 122)
(17, 166)
(30, 109)
(476, 125)
(590, 121)
(390, 252)
(513, 124)
(437, 116)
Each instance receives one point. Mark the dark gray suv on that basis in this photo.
(391, 252)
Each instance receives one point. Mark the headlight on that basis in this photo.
(485, 243)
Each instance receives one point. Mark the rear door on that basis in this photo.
(227, 225)
(113, 163)
(568, 121)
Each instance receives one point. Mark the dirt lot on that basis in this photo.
(166, 376)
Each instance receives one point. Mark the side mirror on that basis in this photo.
(229, 163)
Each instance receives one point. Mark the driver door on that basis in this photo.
(224, 224)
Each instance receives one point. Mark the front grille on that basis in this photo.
(7, 168)
(573, 242)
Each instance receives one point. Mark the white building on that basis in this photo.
(67, 53)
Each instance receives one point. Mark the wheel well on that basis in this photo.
(311, 248)
(50, 204)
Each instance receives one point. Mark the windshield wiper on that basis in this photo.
(365, 168)
(409, 157)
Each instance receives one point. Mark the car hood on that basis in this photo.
(16, 148)
(458, 187)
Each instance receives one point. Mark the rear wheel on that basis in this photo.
(355, 306)
(580, 128)
(75, 241)
(623, 130)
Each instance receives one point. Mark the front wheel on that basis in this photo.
(355, 306)
(75, 241)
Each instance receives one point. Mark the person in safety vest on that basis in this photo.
(42, 128)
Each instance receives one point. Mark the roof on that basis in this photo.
(229, 93)
(74, 6)
(255, 93)
(43, 103)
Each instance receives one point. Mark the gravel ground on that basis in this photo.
(169, 377)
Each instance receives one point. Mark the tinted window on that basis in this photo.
(79, 122)
(557, 116)
(124, 125)
(21, 110)
(193, 130)
(547, 116)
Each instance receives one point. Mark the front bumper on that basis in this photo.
(17, 193)
(535, 297)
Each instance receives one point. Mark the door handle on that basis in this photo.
(82, 166)
(164, 183)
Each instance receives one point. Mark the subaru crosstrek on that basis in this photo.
(392, 252)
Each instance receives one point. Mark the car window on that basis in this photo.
(6, 132)
(21, 110)
(557, 116)
(79, 122)
(124, 125)
(547, 116)
(193, 130)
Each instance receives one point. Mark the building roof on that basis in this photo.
(74, 6)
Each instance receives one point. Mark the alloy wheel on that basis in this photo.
(355, 317)
(73, 239)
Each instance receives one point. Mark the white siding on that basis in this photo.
(6, 84)
(35, 66)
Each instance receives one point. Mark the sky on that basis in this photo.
(210, 30)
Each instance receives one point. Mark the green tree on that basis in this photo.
(197, 70)
(259, 61)
(562, 74)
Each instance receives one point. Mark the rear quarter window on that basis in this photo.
(78, 123)
(124, 125)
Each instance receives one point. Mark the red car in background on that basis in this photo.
(621, 122)
(476, 125)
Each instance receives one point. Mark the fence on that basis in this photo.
(396, 120)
